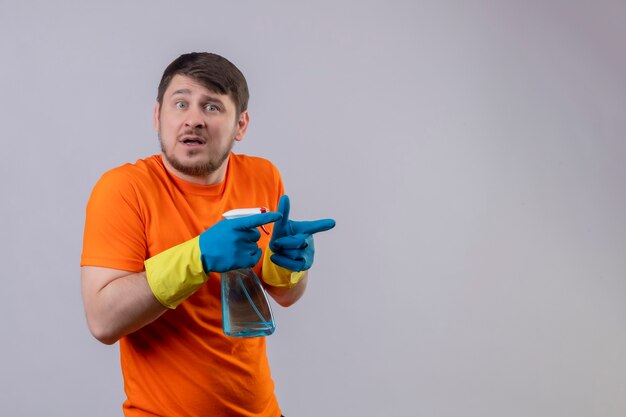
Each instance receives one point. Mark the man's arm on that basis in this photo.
(117, 302)
(288, 296)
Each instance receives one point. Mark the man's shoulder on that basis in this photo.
(140, 170)
(255, 173)
(142, 174)
(243, 161)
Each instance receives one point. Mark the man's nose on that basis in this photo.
(195, 118)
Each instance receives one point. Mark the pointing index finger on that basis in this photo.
(314, 226)
(256, 220)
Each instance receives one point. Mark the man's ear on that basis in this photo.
(242, 125)
(157, 110)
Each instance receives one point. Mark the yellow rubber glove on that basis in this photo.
(175, 274)
(277, 276)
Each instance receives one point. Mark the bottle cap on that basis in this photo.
(243, 212)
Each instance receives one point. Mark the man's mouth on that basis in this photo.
(192, 140)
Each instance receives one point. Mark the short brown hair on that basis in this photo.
(212, 71)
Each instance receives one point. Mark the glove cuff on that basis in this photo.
(277, 276)
(175, 274)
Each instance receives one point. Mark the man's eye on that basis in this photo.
(180, 104)
(211, 107)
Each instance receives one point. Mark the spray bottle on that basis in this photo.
(246, 311)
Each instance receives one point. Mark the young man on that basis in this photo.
(155, 243)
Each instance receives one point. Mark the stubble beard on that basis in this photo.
(202, 167)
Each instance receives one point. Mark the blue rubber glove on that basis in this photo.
(292, 241)
(232, 244)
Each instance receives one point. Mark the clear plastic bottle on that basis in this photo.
(246, 311)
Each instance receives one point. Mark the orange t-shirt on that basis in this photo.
(182, 364)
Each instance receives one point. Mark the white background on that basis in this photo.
(472, 153)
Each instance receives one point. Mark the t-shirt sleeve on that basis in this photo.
(114, 235)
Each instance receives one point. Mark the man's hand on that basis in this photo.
(292, 241)
(232, 244)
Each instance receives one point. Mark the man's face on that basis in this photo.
(197, 128)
